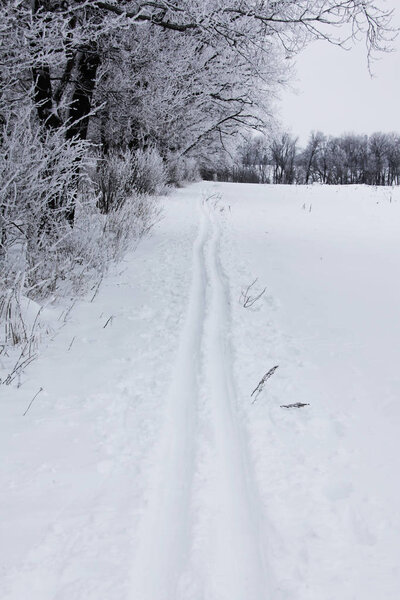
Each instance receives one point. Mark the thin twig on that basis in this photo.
(19, 367)
(32, 401)
(69, 310)
(109, 320)
(96, 291)
(31, 337)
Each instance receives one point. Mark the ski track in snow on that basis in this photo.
(202, 390)
(144, 472)
(164, 532)
(239, 570)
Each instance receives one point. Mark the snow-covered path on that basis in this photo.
(202, 382)
(144, 472)
(165, 531)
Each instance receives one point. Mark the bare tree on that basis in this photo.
(283, 152)
(310, 155)
(393, 159)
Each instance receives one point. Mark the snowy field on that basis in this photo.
(145, 470)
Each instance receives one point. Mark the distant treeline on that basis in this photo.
(347, 159)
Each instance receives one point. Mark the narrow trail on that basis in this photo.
(202, 392)
(239, 572)
(164, 536)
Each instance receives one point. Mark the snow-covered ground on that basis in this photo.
(145, 470)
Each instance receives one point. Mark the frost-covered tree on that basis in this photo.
(393, 159)
(309, 157)
(283, 155)
(339, 160)
(67, 47)
(378, 146)
(351, 159)
(97, 97)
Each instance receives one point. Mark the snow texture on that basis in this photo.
(145, 471)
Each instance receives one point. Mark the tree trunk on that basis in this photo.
(79, 112)
(43, 97)
(43, 92)
(81, 104)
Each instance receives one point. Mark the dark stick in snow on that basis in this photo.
(32, 401)
(263, 381)
(108, 321)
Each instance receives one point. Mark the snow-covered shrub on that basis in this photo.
(99, 239)
(112, 177)
(12, 324)
(23, 325)
(20, 320)
(122, 174)
(182, 170)
(45, 255)
(38, 189)
(124, 227)
(149, 171)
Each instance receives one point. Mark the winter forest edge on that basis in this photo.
(105, 105)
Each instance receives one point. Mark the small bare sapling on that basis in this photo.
(257, 391)
(247, 299)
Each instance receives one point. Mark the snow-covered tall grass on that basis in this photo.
(44, 256)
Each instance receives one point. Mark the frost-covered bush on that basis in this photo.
(38, 189)
(21, 322)
(46, 255)
(13, 330)
(99, 239)
(123, 228)
(122, 174)
(182, 170)
(111, 180)
(149, 171)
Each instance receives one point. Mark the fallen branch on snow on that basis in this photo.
(295, 405)
(246, 300)
(263, 381)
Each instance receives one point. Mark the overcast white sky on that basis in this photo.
(335, 93)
